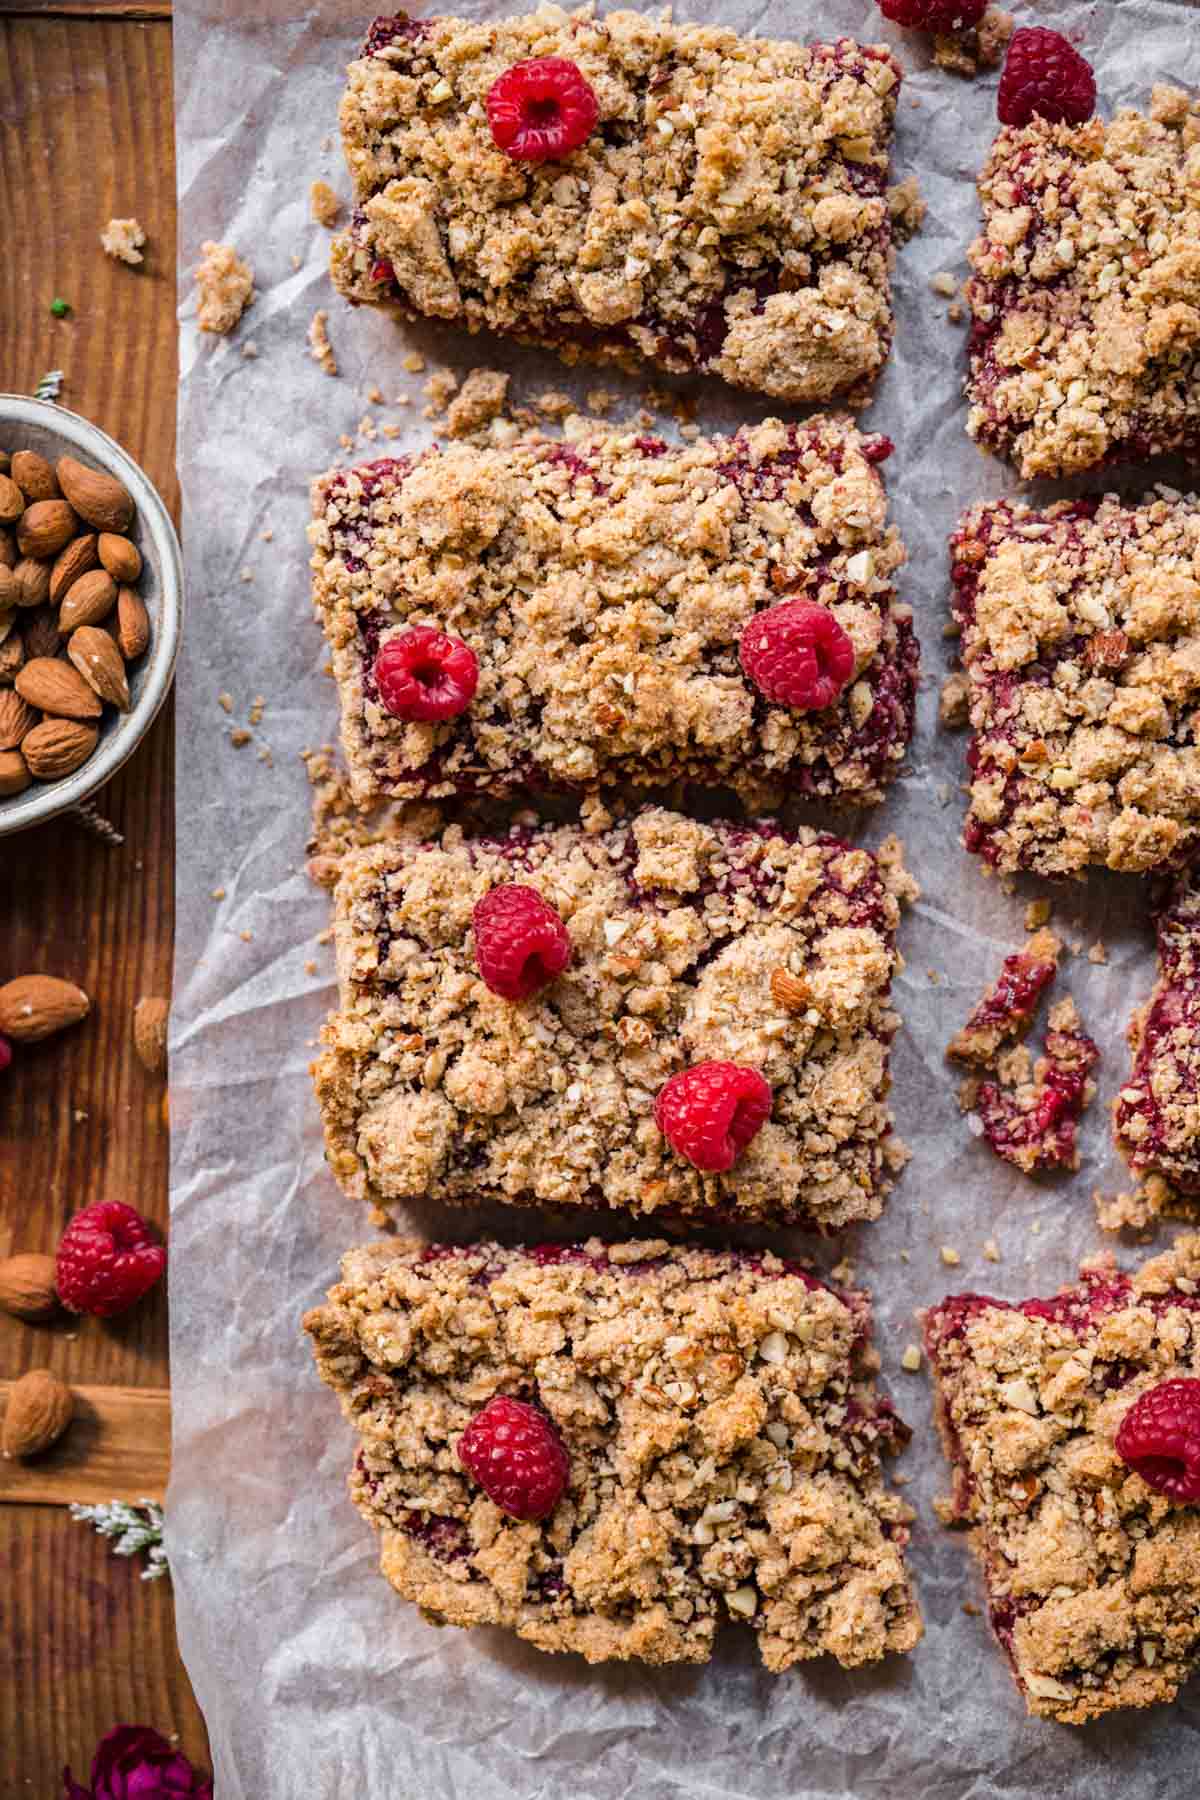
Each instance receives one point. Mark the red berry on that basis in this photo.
(516, 1455)
(5, 1054)
(108, 1257)
(934, 15)
(541, 110)
(1045, 76)
(423, 674)
(709, 1113)
(1160, 1439)
(520, 941)
(797, 655)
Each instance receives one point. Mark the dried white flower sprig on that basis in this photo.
(134, 1529)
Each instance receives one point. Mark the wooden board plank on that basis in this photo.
(117, 1447)
(86, 9)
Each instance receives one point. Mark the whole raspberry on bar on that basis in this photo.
(934, 15)
(521, 944)
(1045, 77)
(710, 1112)
(425, 675)
(108, 1257)
(515, 1453)
(541, 110)
(797, 655)
(1160, 1439)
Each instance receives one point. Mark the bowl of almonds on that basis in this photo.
(91, 598)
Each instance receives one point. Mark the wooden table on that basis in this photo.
(86, 132)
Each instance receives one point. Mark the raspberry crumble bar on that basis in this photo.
(1080, 638)
(601, 590)
(685, 946)
(726, 209)
(1085, 347)
(718, 1427)
(1073, 1428)
(1156, 1116)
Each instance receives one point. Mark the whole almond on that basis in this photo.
(14, 774)
(120, 556)
(98, 660)
(27, 1286)
(17, 719)
(45, 527)
(96, 497)
(40, 1407)
(33, 475)
(133, 624)
(88, 600)
(54, 687)
(9, 588)
(32, 581)
(8, 547)
(40, 633)
(34, 1007)
(150, 1032)
(12, 501)
(78, 557)
(12, 655)
(58, 747)
(789, 991)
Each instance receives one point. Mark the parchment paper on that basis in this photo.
(315, 1679)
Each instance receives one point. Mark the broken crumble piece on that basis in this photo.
(1156, 1115)
(688, 945)
(1006, 1011)
(1032, 1124)
(1093, 1581)
(1080, 628)
(977, 47)
(719, 1433)
(122, 239)
(1086, 340)
(324, 204)
(726, 212)
(601, 587)
(319, 346)
(226, 287)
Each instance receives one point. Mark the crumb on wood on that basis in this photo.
(226, 288)
(324, 203)
(122, 239)
(319, 346)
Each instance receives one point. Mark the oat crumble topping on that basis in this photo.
(728, 212)
(319, 346)
(122, 239)
(324, 204)
(977, 47)
(603, 582)
(690, 942)
(724, 1432)
(1081, 638)
(1093, 1579)
(226, 288)
(1086, 340)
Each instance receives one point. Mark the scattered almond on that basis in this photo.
(12, 655)
(34, 476)
(120, 557)
(79, 556)
(88, 600)
(27, 1288)
(12, 501)
(56, 688)
(8, 548)
(40, 1407)
(45, 527)
(31, 578)
(14, 774)
(58, 747)
(17, 719)
(97, 497)
(150, 1032)
(133, 624)
(34, 1007)
(40, 633)
(98, 660)
(8, 588)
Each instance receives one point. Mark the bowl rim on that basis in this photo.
(40, 802)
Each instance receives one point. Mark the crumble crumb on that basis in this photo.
(439, 390)
(247, 574)
(326, 207)
(950, 1256)
(978, 47)
(310, 968)
(297, 262)
(218, 893)
(225, 702)
(122, 239)
(226, 287)
(414, 362)
(479, 400)
(257, 708)
(319, 346)
(1038, 913)
(249, 350)
(906, 208)
(1098, 952)
(954, 705)
(944, 283)
(247, 937)
(600, 401)
(956, 312)
(991, 1251)
(239, 737)
(911, 1359)
(1149, 1202)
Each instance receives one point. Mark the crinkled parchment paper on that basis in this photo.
(316, 1680)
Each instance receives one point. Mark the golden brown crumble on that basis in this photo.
(122, 239)
(431, 1083)
(324, 204)
(728, 212)
(977, 47)
(1093, 1578)
(319, 346)
(226, 288)
(724, 1433)
(954, 709)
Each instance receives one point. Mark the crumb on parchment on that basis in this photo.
(978, 47)
(907, 208)
(324, 203)
(122, 239)
(226, 288)
(319, 346)
(479, 401)
(954, 705)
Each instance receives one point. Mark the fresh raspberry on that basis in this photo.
(5, 1054)
(516, 1455)
(425, 675)
(797, 655)
(520, 941)
(108, 1258)
(934, 15)
(1045, 76)
(541, 110)
(709, 1113)
(1160, 1439)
